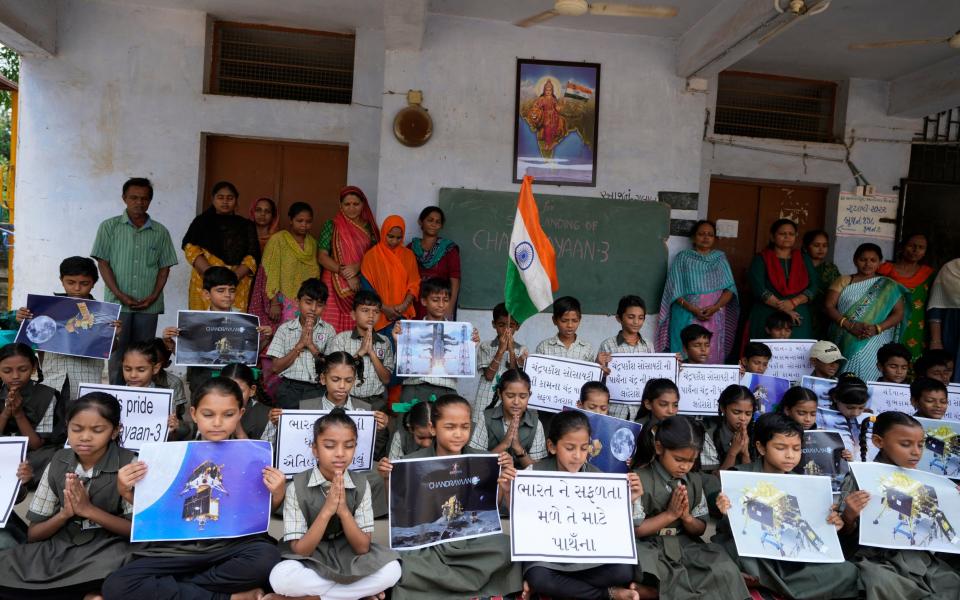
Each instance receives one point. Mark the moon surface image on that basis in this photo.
(622, 444)
(41, 329)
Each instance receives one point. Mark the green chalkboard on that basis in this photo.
(605, 248)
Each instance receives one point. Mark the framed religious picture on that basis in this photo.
(555, 122)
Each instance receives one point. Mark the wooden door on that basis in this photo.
(286, 172)
(755, 207)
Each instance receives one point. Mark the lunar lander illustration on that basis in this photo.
(778, 514)
(917, 508)
(944, 443)
(812, 468)
(451, 509)
(84, 320)
(202, 506)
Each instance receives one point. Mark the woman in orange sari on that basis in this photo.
(910, 272)
(341, 245)
(391, 270)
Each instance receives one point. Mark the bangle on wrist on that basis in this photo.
(879, 329)
(841, 322)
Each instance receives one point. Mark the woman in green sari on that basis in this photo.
(867, 311)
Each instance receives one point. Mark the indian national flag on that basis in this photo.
(577, 92)
(532, 265)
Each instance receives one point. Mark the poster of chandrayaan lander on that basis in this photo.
(436, 349)
(908, 509)
(201, 490)
(782, 517)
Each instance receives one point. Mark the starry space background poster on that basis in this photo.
(71, 326)
(201, 490)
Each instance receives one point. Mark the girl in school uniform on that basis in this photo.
(415, 432)
(778, 441)
(28, 408)
(569, 446)
(887, 573)
(139, 368)
(237, 568)
(328, 524)
(726, 442)
(256, 413)
(508, 425)
(79, 524)
(464, 568)
(671, 520)
(800, 404)
(661, 400)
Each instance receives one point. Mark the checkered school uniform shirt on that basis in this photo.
(295, 523)
(485, 389)
(45, 502)
(578, 350)
(538, 449)
(58, 368)
(618, 345)
(350, 342)
(287, 336)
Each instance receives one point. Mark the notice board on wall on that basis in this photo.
(605, 248)
(867, 216)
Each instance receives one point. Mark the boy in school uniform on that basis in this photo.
(826, 359)
(779, 326)
(435, 295)
(298, 342)
(78, 275)
(567, 344)
(631, 314)
(696, 343)
(935, 364)
(756, 357)
(373, 349)
(929, 398)
(893, 360)
(496, 356)
(220, 292)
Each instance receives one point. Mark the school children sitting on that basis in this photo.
(726, 441)
(495, 357)
(826, 359)
(778, 326)
(374, 350)
(594, 397)
(755, 358)
(696, 343)
(509, 425)
(893, 360)
(935, 364)
(929, 398)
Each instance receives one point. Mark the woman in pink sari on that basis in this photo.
(341, 245)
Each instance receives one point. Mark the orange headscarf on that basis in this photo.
(392, 272)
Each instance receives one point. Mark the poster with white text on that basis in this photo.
(886, 397)
(13, 451)
(144, 415)
(791, 358)
(295, 440)
(701, 385)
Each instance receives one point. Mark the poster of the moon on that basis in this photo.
(71, 326)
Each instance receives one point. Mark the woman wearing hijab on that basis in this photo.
(341, 245)
(391, 270)
(943, 311)
(218, 237)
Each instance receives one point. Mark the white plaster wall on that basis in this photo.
(649, 131)
(883, 157)
(123, 97)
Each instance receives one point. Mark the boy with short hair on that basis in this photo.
(893, 360)
(298, 342)
(929, 397)
(220, 292)
(567, 344)
(756, 357)
(631, 314)
(935, 364)
(496, 356)
(365, 343)
(779, 326)
(435, 295)
(826, 359)
(696, 343)
(78, 275)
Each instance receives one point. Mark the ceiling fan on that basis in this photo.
(576, 8)
(953, 41)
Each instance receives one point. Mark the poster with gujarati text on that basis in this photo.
(791, 358)
(781, 516)
(886, 397)
(701, 385)
(295, 440)
(571, 518)
(556, 382)
(908, 509)
(201, 491)
(144, 414)
(70, 326)
(630, 372)
(443, 499)
(953, 402)
(210, 338)
(13, 451)
(613, 441)
(436, 349)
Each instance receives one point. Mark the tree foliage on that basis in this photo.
(9, 68)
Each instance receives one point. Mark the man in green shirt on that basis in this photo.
(134, 254)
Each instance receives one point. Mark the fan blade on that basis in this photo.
(896, 44)
(628, 10)
(536, 19)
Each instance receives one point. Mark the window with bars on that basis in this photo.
(766, 106)
(286, 64)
